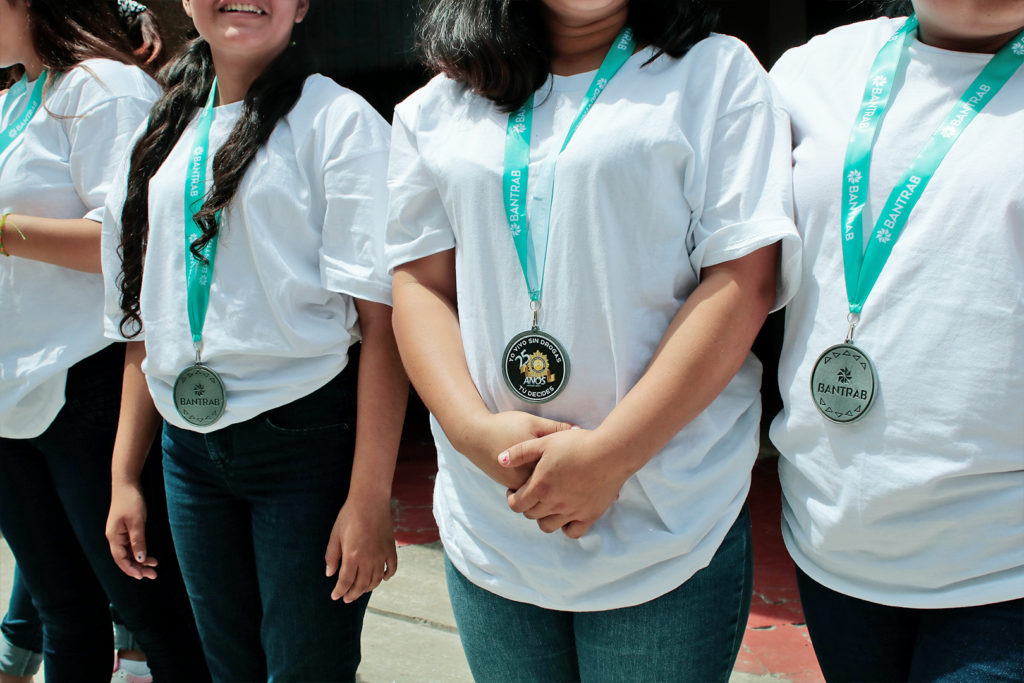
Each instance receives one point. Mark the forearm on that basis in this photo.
(68, 242)
(429, 338)
(382, 397)
(703, 349)
(430, 341)
(138, 422)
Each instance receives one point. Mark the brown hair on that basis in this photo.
(67, 32)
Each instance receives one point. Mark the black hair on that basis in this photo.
(895, 8)
(67, 32)
(500, 48)
(188, 81)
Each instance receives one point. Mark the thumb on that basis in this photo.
(522, 453)
(137, 538)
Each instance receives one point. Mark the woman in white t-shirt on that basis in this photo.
(244, 302)
(620, 549)
(907, 524)
(75, 96)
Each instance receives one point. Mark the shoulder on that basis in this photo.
(718, 75)
(327, 111)
(97, 81)
(440, 97)
(833, 52)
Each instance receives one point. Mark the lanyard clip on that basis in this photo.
(199, 352)
(854, 320)
(535, 308)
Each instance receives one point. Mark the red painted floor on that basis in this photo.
(776, 642)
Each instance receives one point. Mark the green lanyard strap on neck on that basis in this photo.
(862, 267)
(35, 101)
(530, 233)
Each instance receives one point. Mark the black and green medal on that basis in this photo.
(535, 365)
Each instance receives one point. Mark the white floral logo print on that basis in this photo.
(879, 81)
(884, 236)
(519, 128)
(949, 131)
(515, 229)
(1018, 48)
(853, 177)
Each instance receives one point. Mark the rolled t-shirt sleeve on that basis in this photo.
(110, 243)
(418, 225)
(355, 188)
(100, 142)
(748, 199)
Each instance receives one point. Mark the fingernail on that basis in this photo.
(575, 427)
(503, 457)
(140, 556)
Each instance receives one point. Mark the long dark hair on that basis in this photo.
(500, 49)
(895, 8)
(188, 82)
(67, 32)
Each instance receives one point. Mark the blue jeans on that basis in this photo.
(692, 633)
(21, 645)
(54, 498)
(252, 506)
(857, 640)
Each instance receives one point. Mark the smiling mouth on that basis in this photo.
(243, 9)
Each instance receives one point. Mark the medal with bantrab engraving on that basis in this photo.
(199, 395)
(843, 383)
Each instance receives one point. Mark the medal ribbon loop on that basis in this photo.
(863, 266)
(530, 233)
(199, 275)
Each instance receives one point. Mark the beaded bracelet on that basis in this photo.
(129, 9)
(3, 224)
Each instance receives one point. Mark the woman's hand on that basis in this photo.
(574, 480)
(126, 531)
(361, 550)
(497, 432)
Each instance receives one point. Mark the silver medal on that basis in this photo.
(199, 395)
(843, 383)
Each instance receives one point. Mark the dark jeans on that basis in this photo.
(856, 640)
(252, 506)
(54, 498)
(21, 650)
(692, 633)
(21, 647)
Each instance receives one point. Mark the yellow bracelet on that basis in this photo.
(3, 224)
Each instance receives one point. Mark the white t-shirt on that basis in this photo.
(61, 166)
(680, 165)
(921, 502)
(302, 237)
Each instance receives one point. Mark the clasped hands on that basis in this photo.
(557, 474)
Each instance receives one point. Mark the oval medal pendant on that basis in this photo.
(843, 383)
(535, 366)
(199, 395)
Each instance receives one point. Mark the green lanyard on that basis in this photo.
(11, 133)
(530, 234)
(199, 275)
(862, 267)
